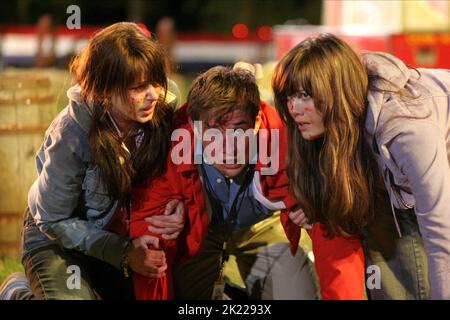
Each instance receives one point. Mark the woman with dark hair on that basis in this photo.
(113, 135)
(354, 121)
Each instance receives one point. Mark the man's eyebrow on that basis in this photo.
(220, 123)
(211, 123)
(239, 123)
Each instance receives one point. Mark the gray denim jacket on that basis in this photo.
(412, 142)
(68, 204)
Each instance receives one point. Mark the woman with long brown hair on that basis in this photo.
(354, 122)
(113, 135)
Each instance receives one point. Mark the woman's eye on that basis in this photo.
(139, 87)
(303, 95)
(300, 95)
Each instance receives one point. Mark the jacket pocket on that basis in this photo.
(96, 195)
(398, 193)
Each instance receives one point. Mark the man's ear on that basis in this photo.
(258, 122)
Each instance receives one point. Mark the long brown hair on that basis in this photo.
(113, 60)
(334, 178)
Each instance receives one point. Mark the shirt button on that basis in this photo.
(231, 180)
(219, 180)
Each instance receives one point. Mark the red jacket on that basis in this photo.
(338, 261)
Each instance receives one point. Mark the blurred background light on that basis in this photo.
(265, 33)
(240, 31)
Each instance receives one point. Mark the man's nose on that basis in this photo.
(230, 146)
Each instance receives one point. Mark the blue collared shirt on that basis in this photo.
(224, 190)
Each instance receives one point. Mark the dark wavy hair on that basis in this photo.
(113, 60)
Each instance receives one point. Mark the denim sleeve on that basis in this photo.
(421, 155)
(54, 197)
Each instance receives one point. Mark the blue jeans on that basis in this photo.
(58, 274)
(402, 261)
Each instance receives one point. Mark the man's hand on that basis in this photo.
(146, 258)
(299, 218)
(244, 66)
(169, 225)
(255, 69)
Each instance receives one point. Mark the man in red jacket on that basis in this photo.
(233, 197)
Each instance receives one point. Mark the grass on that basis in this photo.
(8, 266)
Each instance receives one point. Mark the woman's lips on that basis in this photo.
(302, 126)
(148, 109)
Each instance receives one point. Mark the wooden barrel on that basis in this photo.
(27, 106)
